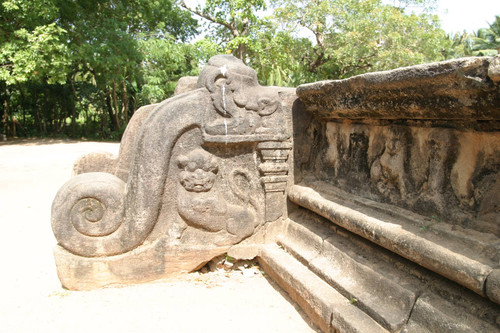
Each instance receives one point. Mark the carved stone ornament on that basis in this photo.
(197, 174)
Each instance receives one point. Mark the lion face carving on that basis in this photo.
(198, 170)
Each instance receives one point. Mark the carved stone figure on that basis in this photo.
(237, 97)
(388, 172)
(105, 220)
(200, 207)
(431, 198)
(358, 146)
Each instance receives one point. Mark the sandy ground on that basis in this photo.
(31, 297)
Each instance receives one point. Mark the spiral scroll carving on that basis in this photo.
(87, 216)
(91, 217)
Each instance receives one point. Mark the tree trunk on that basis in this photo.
(112, 117)
(73, 107)
(241, 52)
(5, 113)
(125, 102)
(115, 106)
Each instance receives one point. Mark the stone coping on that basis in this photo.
(457, 267)
(459, 89)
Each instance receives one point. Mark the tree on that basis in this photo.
(277, 56)
(231, 21)
(356, 36)
(104, 40)
(460, 46)
(164, 63)
(60, 58)
(486, 41)
(32, 45)
(33, 52)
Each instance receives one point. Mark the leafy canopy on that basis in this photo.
(486, 41)
(355, 36)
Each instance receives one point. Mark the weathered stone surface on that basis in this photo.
(494, 69)
(186, 84)
(449, 175)
(405, 163)
(492, 287)
(408, 159)
(128, 140)
(189, 180)
(327, 308)
(147, 263)
(120, 165)
(380, 283)
(454, 89)
(95, 162)
(459, 268)
(109, 163)
(318, 248)
(432, 314)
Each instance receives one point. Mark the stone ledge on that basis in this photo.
(431, 314)
(326, 307)
(459, 89)
(387, 287)
(321, 252)
(466, 271)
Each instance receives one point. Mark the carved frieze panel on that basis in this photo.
(447, 174)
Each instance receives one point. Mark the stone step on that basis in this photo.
(333, 259)
(396, 292)
(483, 247)
(325, 306)
(431, 314)
(387, 231)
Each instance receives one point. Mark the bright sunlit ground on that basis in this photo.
(32, 299)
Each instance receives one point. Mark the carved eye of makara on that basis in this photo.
(267, 106)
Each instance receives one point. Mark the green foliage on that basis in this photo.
(460, 46)
(39, 54)
(81, 67)
(486, 41)
(164, 63)
(82, 64)
(32, 46)
(356, 36)
(277, 58)
(207, 48)
(231, 23)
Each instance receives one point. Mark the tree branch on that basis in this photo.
(358, 65)
(207, 16)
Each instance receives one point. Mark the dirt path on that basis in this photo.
(31, 298)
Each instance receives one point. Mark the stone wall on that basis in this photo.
(395, 202)
(424, 138)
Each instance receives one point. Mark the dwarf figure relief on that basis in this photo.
(201, 206)
(388, 172)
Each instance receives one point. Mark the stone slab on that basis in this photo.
(453, 89)
(324, 253)
(432, 314)
(327, 308)
(456, 267)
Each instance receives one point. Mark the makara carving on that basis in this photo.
(207, 170)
